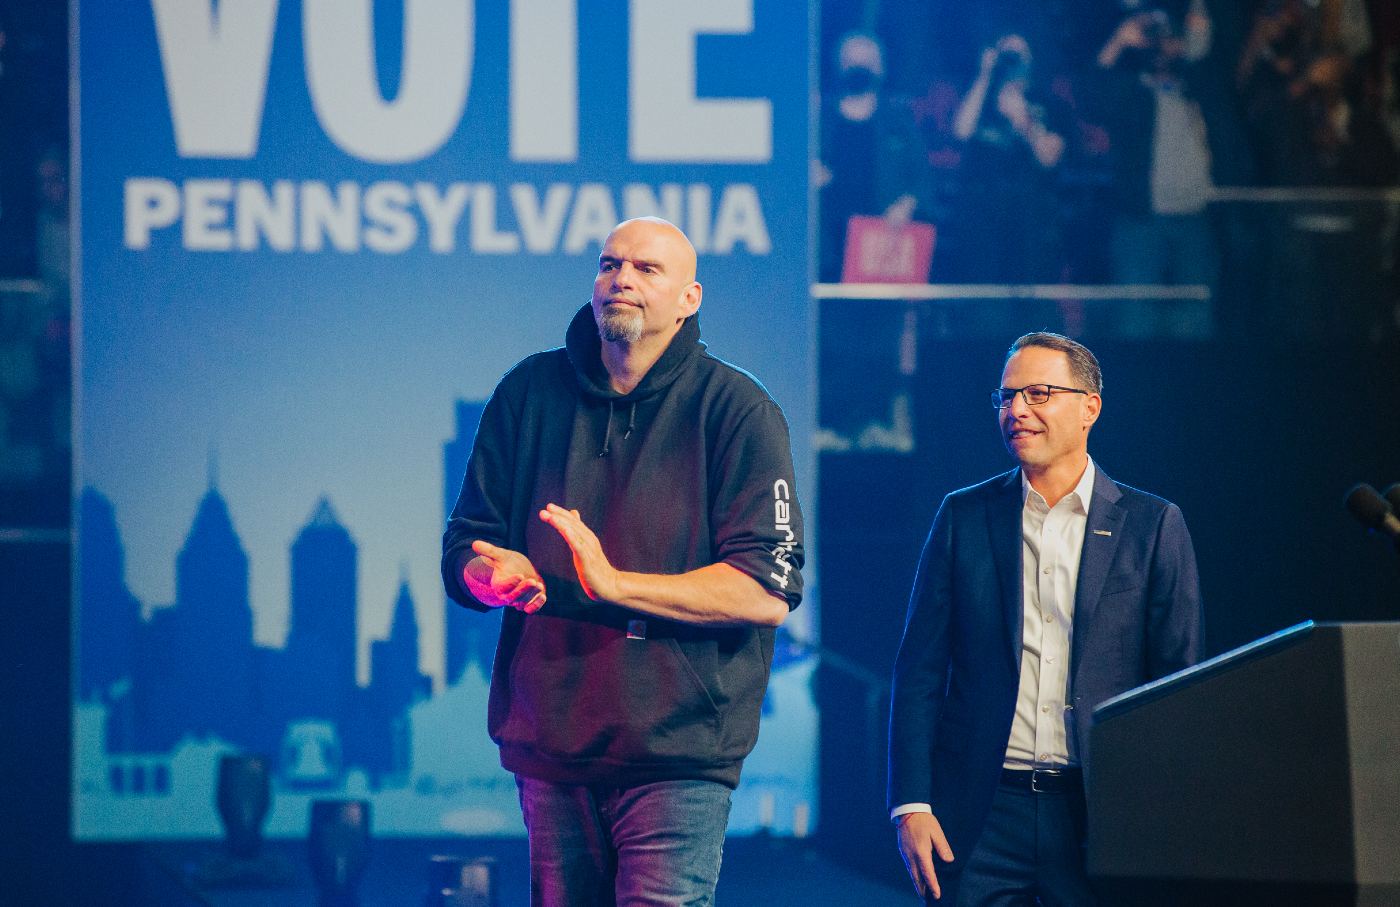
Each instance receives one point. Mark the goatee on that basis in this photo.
(620, 324)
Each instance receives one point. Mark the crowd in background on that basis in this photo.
(1089, 141)
(1064, 141)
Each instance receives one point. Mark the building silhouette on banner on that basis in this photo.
(163, 690)
(193, 670)
(464, 640)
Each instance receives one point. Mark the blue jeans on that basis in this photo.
(652, 844)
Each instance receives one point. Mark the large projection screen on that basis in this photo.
(313, 236)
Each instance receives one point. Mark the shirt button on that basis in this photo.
(1050, 660)
(1044, 757)
(1049, 618)
(1046, 571)
(1045, 709)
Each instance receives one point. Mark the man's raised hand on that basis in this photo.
(596, 573)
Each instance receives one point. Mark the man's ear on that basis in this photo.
(1093, 405)
(690, 299)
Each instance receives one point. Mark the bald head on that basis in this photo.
(666, 236)
(645, 286)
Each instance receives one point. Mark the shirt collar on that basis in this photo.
(1082, 494)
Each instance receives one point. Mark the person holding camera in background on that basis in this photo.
(1012, 151)
(1162, 164)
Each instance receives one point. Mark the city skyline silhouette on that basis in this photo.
(163, 689)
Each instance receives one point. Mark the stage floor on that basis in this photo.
(756, 872)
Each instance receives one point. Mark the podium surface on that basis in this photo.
(1273, 768)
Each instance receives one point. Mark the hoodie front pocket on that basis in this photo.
(582, 691)
(688, 670)
(674, 718)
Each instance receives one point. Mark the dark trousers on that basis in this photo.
(1031, 852)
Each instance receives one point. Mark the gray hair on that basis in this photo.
(1081, 361)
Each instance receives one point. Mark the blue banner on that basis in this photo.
(313, 236)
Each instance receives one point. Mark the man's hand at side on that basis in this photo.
(920, 837)
(499, 578)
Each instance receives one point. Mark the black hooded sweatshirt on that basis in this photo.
(691, 468)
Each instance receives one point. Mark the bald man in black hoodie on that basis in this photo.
(630, 503)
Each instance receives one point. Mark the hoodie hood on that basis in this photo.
(584, 348)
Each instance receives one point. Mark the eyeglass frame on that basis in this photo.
(1002, 400)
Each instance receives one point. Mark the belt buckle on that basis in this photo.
(1035, 779)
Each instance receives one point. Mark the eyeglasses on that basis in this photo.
(1033, 394)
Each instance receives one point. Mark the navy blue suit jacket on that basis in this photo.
(1137, 617)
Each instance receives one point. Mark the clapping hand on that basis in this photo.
(499, 578)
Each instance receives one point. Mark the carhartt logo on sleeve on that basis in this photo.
(782, 524)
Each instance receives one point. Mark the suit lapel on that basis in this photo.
(1101, 536)
(1004, 526)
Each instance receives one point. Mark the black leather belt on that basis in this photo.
(1043, 780)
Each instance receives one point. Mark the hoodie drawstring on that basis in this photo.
(607, 432)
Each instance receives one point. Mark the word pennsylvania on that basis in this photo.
(238, 215)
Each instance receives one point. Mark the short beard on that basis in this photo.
(617, 326)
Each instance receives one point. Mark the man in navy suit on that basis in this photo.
(1041, 593)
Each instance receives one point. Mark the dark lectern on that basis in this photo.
(1268, 775)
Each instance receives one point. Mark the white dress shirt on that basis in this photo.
(1052, 540)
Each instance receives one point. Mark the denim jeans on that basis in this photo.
(652, 844)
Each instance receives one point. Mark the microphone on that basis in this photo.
(1392, 495)
(1372, 511)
